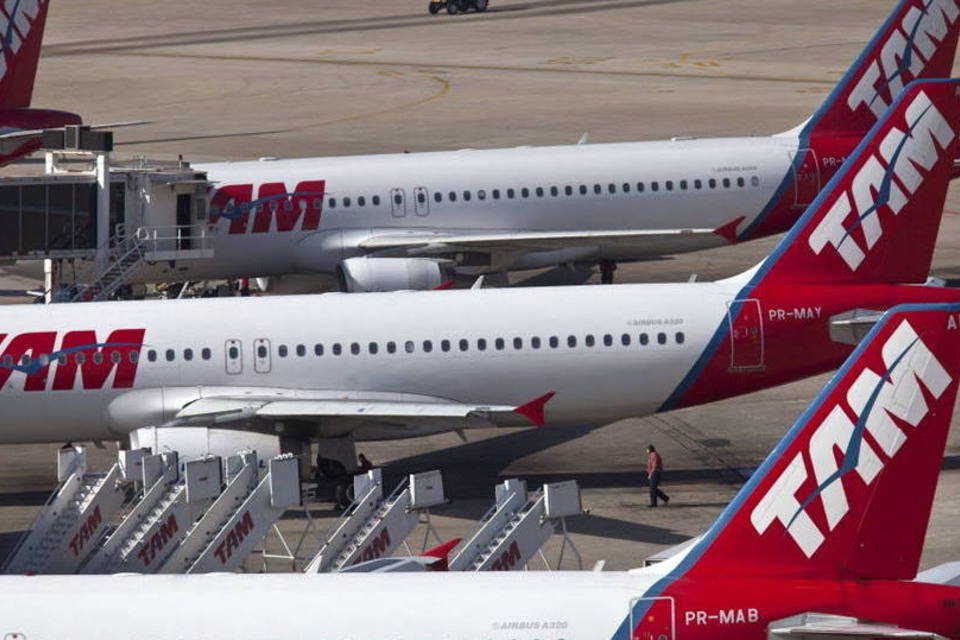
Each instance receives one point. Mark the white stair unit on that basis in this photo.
(77, 515)
(373, 527)
(516, 528)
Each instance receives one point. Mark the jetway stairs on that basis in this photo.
(516, 527)
(374, 526)
(77, 516)
(125, 259)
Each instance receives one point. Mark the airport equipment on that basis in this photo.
(516, 527)
(454, 7)
(77, 515)
(374, 526)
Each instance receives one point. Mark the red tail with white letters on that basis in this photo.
(848, 493)
(918, 40)
(877, 219)
(21, 34)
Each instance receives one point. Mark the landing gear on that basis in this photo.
(454, 7)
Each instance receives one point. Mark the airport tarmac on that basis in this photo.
(244, 79)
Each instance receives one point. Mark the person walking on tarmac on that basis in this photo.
(654, 469)
(607, 267)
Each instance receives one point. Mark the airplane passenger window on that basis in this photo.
(740, 181)
(481, 195)
(361, 201)
(755, 181)
(482, 344)
(205, 353)
(288, 205)
(170, 356)
(612, 188)
(661, 338)
(654, 186)
(261, 352)
(152, 355)
(496, 194)
(62, 358)
(187, 354)
(301, 350)
(607, 340)
(499, 344)
(25, 360)
(568, 190)
(391, 347)
(669, 185)
(554, 342)
(466, 196)
(510, 193)
(437, 197)
(372, 348)
(640, 187)
(452, 196)
(625, 339)
(355, 348)
(409, 347)
(518, 343)
(583, 189)
(282, 351)
(427, 346)
(697, 184)
(683, 185)
(626, 187)
(597, 189)
(589, 341)
(376, 200)
(464, 344)
(445, 345)
(679, 337)
(134, 356)
(554, 191)
(397, 199)
(317, 203)
(571, 341)
(115, 357)
(332, 203)
(317, 350)
(535, 342)
(79, 359)
(726, 183)
(712, 183)
(337, 349)
(421, 197)
(346, 201)
(525, 192)
(539, 192)
(644, 338)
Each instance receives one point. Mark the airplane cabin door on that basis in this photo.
(398, 203)
(261, 355)
(806, 177)
(652, 619)
(233, 351)
(421, 198)
(746, 334)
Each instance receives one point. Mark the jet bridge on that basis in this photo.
(77, 515)
(516, 527)
(374, 526)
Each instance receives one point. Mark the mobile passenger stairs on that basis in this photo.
(171, 517)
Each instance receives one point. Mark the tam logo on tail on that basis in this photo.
(16, 19)
(886, 180)
(904, 54)
(873, 399)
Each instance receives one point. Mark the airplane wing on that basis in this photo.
(641, 243)
(425, 412)
(18, 134)
(816, 626)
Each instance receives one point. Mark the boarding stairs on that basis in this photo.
(74, 519)
(373, 527)
(125, 259)
(162, 517)
(516, 528)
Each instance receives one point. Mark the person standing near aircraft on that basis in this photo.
(654, 471)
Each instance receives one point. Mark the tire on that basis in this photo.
(453, 7)
(481, 6)
(434, 8)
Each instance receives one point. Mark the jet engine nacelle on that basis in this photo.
(363, 274)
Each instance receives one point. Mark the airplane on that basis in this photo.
(341, 368)
(824, 540)
(418, 220)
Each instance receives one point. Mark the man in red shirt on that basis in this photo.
(654, 469)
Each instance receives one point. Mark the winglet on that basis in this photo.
(728, 231)
(441, 553)
(534, 410)
(446, 284)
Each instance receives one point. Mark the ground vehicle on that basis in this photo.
(456, 6)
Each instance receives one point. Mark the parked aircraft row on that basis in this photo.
(823, 541)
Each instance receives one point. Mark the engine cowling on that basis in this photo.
(363, 274)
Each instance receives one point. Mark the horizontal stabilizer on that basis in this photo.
(822, 626)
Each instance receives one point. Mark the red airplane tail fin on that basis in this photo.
(918, 40)
(442, 553)
(21, 35)
(877, 219)
(847, 493)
